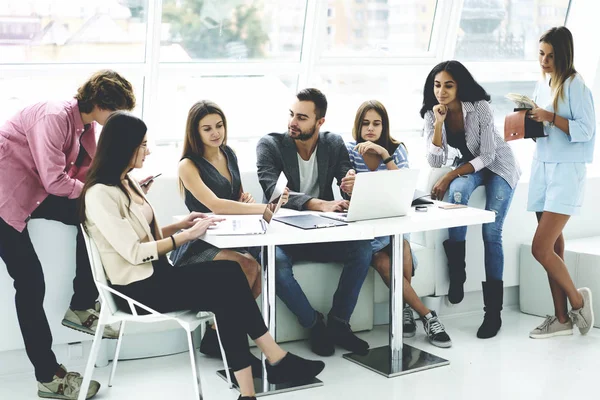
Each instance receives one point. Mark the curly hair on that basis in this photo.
(106, 89)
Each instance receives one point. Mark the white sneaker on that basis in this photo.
(65, 385)
(552, 327)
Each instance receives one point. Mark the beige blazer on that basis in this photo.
(121, 233)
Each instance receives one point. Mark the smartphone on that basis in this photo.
(451, 206)
(146, 183)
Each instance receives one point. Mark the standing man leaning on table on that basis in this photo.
(310, 160)
(45, 152)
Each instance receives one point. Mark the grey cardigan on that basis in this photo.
(277, 152)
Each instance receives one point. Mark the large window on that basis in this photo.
(72, 31)
(375, 27)
(232, 30)
(252, 56)
(506, 29)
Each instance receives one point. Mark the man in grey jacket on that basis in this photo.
(310, 160)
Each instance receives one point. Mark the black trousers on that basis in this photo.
(23, 265)
(217, 286)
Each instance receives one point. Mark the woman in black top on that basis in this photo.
(209, 178)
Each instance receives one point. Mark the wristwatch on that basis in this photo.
(387, 160)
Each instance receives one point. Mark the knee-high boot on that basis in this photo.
(493, 296)
(455, 251)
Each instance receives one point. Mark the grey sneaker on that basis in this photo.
(86, 321)
(584, 317)
(436, 333)
(409, 328)
(65, 385)
(552, 327)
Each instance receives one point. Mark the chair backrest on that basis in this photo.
(98, 272)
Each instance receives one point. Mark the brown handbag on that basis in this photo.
(518, 126)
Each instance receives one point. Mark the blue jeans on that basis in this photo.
(355, 255)
(498, 195)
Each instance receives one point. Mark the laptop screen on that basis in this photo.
(276, 199)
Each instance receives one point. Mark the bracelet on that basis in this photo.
(553, 118)
(174, 244)
(387, 160)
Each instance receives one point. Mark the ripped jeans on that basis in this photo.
(498, 196)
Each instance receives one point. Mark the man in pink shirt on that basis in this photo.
(45, 152)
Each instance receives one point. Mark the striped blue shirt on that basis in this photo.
(400, 157)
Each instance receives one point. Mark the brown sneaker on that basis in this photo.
(65, 385)
(86, 321)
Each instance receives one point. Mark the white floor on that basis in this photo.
(510, 366)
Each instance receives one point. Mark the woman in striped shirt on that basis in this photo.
(457, 114)
(373, 149)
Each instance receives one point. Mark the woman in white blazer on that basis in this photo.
(132, 246)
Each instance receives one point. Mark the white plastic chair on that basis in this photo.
(110, 314)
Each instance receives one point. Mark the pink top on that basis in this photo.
(38, 150)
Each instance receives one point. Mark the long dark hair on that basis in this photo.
(121, 136)
(561, 40)
(192, 143)
(467, 88)
(385, 140)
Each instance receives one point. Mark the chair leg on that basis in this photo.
(223, 355)
(195, 366)
(116, 357)
(89, 368)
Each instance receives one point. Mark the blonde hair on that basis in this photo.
(561, 40)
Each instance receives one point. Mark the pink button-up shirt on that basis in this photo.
(38, 150)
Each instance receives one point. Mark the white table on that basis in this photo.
(387, 360)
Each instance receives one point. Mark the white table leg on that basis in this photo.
(396, 358)
(262, 386)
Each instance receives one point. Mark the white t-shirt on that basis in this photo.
(309, 175)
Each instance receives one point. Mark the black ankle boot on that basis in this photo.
(342, 335)
(455, 252)
(320, 341)
(493, 293)
(292, 368)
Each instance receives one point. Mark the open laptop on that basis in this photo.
(380, 194)
(252, 224)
